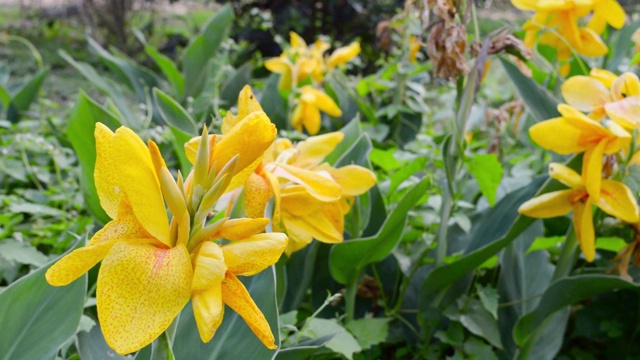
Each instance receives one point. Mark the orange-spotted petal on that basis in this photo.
(106, 172)
(257, 192)
(141, 289)
(236, 296)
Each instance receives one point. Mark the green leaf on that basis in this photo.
(22, 253)
(613, 244)
(479, 321)
(82, 122)
(168, 68)
(489, 299)
(488, 172)
(234, 339)
(179, 139)
(385, 159)
(25, 96)
(303, 350)
(622, 45)
(565, 292)
(544, 243)
(39, 318)
(136, 77)
(407, 171)
(201, 49)
(352, 132)
(537, 99)
(342, 342)
(299, 271)
(5, 98)
(369, 331)
(349, 258)
(92, 346)
(234, 84)
(172, 113)
(273, 104)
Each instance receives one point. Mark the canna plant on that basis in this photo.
(151, 266)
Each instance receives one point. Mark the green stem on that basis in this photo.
(350, 300)
(445, 214)
(567, 255)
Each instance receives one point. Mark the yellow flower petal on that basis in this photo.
(556, 203)
(296, 40)
(626, 85)
(296, 200)
(566, 175)
(208, 310)
(585, 93)
(138, 180)
(106, 173)
(282, 66)
(625, 112)
(319, 186)
(604, 76)
(323, 101)
(344, 54)
(247, 103)
(354, 180)
(240, 229)
(592, 44)
(315, 224)
(315, 149)
(236, 296)
(617, 200)
(557, 135)
(248, 139)
(592, 169)
(526, 5)
(141, 289)
(583, 224)
(309, 117)
(334, 214)
(254, 254)
(208, 267)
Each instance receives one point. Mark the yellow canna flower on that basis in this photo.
(343, 55)
(615, 199)
(606, 12)
(151, 266)
(414, 47)
(602, 93)
(311, 197)
(574, 132)
(307, 113)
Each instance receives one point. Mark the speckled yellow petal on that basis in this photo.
(106, 174)
(626, 85)
(315, 224)
(124, 228)
(319, 186)
(585, 93)
(556, 203)
(141, 289)
(139, 182)
(240, 229)
(248, 139)
(617, 200)
(583, 224)
(557, 135)
(343, 55)
(315, 149)
(354, 180)
(566, 175)
(625, 112)
(236, 296)
(254, 254)
(208, 266)
(257, 193)
(208, 310)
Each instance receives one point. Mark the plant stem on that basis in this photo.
(445, 214)
(567, 255)
(350, 300)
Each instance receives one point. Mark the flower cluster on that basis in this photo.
(153, 264)
(301, 67)
(310, 196)
(614, 109)
(559, 21)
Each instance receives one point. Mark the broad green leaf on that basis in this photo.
(25, 96)
(544, 243)
(201, 49)
(369, 331)
(82, 122)
(299, 270)
(564, 292)
(273, 104)
(622, 45)
(342, 342)
(487, 171)
(480, 322)
(489, 299)
(168, 68)
(234, 84)
(349, 258)
(116, 96)
(136, 77)
(541, 104)
(407, 171)
(39, 318)
(613, 244)
(302, 350)
(92, 346)
(352, 132)
(385, 159)
(179, 139)
(234, 339)
(5, 98)
(172, 113)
